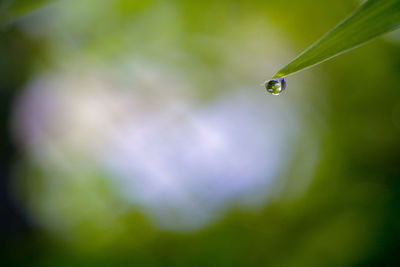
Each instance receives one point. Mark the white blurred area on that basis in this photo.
(161, 122)
(180, 161)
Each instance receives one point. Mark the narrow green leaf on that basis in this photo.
(372, 19)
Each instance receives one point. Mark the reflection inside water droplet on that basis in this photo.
(275, 86)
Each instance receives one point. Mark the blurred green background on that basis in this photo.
(135, 133)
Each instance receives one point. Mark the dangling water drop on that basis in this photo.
(275, 86)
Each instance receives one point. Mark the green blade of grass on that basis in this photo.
(372, 19)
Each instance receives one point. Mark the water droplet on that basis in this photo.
(275, 86)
